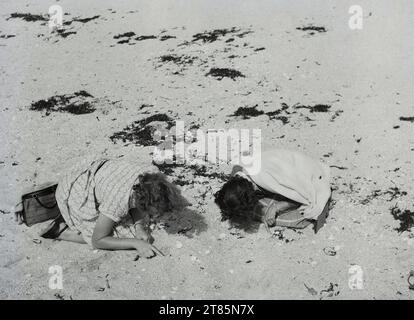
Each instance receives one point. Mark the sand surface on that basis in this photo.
(365, 76)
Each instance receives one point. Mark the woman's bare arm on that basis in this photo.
(141, 221)
(102, 239)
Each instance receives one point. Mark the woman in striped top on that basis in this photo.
(109, 203)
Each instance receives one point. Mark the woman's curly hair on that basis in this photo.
(237, 199)
(154, 190)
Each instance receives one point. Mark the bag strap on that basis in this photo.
(43, 205)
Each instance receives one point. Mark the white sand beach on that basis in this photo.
(363, 77)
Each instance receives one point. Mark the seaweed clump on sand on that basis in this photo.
(393, 193)
(85, 20)
(409, 119)
(179, 60)
(170, 61)
(124, 35)
(28, 17)
(140, 38)
(277, 114)
(7, 36)
(167, 37)
(142, 132)
(405, 217)
(63, 33)
(214, 35)
(220, 73)
(315, 108)
(128, 37)
(77, 103)
(311, 29)
(247, 112)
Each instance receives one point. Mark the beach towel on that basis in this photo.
(295, 176)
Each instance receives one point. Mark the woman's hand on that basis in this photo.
(141, 233)
(146, 250)
(270, 218)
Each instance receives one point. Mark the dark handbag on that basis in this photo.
(40, 205)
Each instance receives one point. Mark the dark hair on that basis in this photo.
(237, 199)
(154, 190)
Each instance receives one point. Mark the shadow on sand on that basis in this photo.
(187, 222)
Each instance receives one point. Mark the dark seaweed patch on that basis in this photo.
(179, 60)
(216, 34)
(220, 73)
(81, 20)
(336, 115)
(170, 58)
(140, 133)
(312, 29)
(63, 33)
(28, 17)
(331, 291)
(83, 93)
(244, 33)
(141, 38)
(162, 117)
(182, 61)
(410, 119)
(392, 193)
(405, 217)
(315, 108)
(201, 171)
(128, 37)
(81, 108)
(195, 170)
(211, 36)
(247, 112)
(145, 105)
(166, 37)
(7, 36)
(123, 35)
(85, 20)
(76, 103)
(276, 115)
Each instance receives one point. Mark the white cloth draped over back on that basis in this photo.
(295, 176)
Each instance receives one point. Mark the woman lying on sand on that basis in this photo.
(109, 203)
(286, 182)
